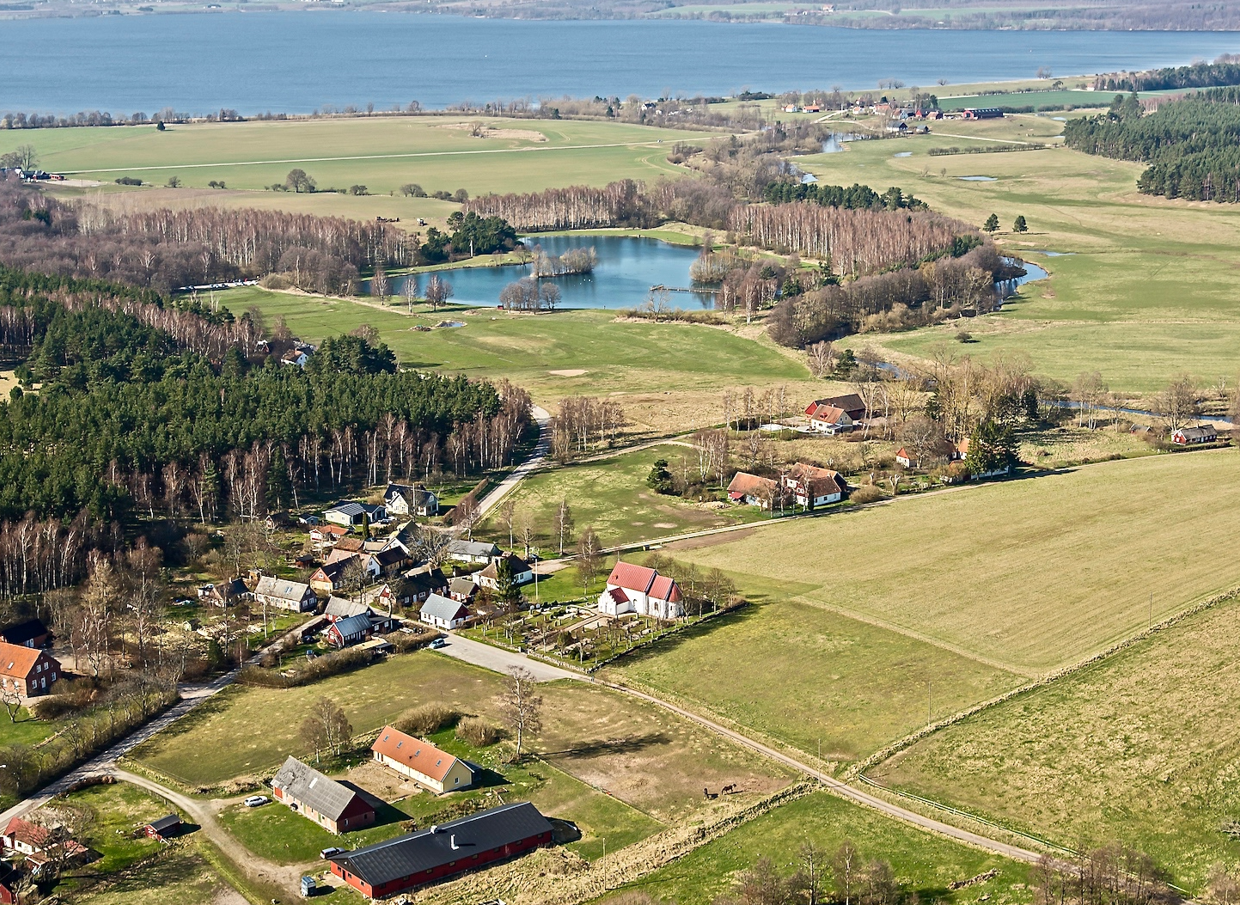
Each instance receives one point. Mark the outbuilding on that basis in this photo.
(163, 828)
(333, 805)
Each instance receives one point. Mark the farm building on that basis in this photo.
(400, 864)
(522, 572)
(163, 828)
(349, 631)
(285, 595)
(636, 589)
(752, 490)
(810, 486)
(472, 551)
(31, 672)
(1186, 436)
(31, 633)
(401, 499)
(349, 514)
(983, 113)
(331, 804)
(422, 762)
(444, 612)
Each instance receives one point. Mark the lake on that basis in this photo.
(627, 269)
(298, 61)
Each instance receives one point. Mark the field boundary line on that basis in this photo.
(889, 751)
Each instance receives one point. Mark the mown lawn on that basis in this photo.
(117, 811)
(611, 496)
(923, 864)
(1029, 574)
(25, 729)
(1141, 748)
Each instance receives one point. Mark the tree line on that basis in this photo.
(854, 197)
(166, 249)
(1225, 70)
(1188, 143)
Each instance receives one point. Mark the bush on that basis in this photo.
(477, 732)
(275, 281)
(460, 196)
(406, 641)
(442, 195)
(867, 493)
(427, 719)
(128, 180)
(308, 671)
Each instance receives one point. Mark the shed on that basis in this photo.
(163, 828)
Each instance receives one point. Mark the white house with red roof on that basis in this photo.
(636, 589)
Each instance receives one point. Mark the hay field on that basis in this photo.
(1030, 574)
(379, 152)
(1141, 748)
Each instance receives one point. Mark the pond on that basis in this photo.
(977, 178)
(834, 143)
(627, 269)
(1007, 288)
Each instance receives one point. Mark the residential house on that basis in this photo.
(850, 403)
(472, 551)
(463, 589)
(331, 575)
(224, 594)
(295, 357)
(636, 589)
(164, 828)
(522, 572)
(277, 520)
(444, 612)
(30, 633)
(28, 670)
(346, 546)
(422, 585)
(34, 841)
(349, 631)
(444, 850)
(10, 881)
(906, 458)
(812, 487)
(324, 536)
(752, 490)
(285, 595)
(342, 608)
(422, 762)
(829, 419)
(402, 499)
(387, 562)
(332, 805)
(960, 453)
(1186, 436)
(350, 514)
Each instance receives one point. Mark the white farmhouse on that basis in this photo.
(636, 589)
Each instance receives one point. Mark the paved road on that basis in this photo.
(537, 457)
(498, 660)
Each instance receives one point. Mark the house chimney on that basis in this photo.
(453, 842)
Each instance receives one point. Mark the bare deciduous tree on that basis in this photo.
(520, 705)
(564, 523)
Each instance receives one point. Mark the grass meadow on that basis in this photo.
(1140, 748)
(561, 354)
(382, 153)
(1143, 292)
(1029, 575)
(604, 739)
(924, 864)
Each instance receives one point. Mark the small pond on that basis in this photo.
(1007, 288)
(627, 269)
(977, 178)
(834, 143)
(1052, 254)
(902, 154)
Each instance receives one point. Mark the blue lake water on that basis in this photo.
(298, 61)
(627, 269)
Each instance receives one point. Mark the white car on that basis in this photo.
(256, 801)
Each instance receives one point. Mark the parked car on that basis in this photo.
(439, 642)
(331, 852)
(256, 801)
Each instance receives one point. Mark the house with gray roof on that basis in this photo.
(332, 805)
(444, 612)
(350, 630)
(348, 514)
(401, 499)
(285, 595)
(472, 551)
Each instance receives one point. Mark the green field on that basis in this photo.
(1139, 748)
(811, 678)
(611, 496)
(923, 864)
(1145, 295)
(382, 153)
(25, 730)
(528, 350)
(184, 877)
(1031, 574)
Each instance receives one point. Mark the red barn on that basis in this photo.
(400, 864)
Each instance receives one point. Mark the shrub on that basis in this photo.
(128, 180)
(477, 732)
(460, 196)
(427, 719)
(442, 195)
(867, 493)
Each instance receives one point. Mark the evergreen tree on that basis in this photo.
(992, 224)
(1020, 226)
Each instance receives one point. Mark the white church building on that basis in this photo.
(635, 589)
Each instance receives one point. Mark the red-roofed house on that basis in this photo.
(30, 671)
(906, 458)
(812, 487)
(636, 589)
(752, 490)
(828, 418)
(421, 761)
(33, 841)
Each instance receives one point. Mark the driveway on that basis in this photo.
(542, 417)
(497, 660)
